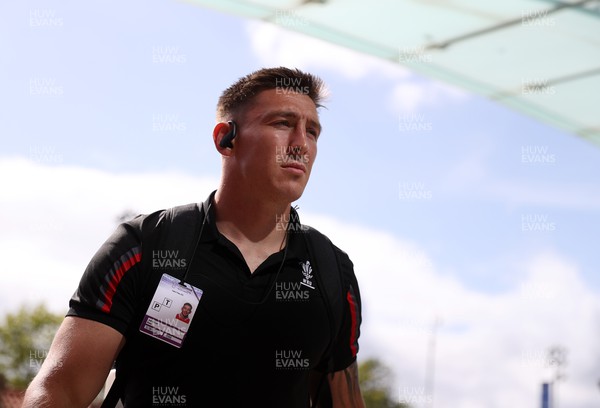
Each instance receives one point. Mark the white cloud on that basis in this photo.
(54, 219)
(275, 46)
(490, 348)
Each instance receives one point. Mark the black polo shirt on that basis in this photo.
(254, 337)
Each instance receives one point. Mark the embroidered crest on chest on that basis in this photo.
(307, 280)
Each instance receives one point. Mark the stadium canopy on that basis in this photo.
(541, 57)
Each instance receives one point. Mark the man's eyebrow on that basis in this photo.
(291, 114)
(317, 125)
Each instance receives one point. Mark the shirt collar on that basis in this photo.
(296, 243)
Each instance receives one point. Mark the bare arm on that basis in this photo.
(345, 391)
(79, 359)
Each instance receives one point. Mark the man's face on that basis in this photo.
(276, 143)
(186, 310)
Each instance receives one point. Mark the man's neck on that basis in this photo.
(256, 226)
(250, 219)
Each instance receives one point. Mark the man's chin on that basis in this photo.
(291, 193)
(297, 192)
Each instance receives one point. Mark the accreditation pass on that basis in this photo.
(171, 310)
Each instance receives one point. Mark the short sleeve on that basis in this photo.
(346, 347)
(109, 286)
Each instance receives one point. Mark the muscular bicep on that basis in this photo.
(345, 390)
(80, 357)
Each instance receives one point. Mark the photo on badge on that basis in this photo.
(171, 310)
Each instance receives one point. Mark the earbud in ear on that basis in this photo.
(227, 139)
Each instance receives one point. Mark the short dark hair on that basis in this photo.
(242, 92)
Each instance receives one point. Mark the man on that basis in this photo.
(186, 309)
(262, 332)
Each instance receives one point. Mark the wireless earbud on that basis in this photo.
(227, 139)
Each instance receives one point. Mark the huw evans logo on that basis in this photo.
(537, 18)
(290, 18)
(167, 54)
(414, 122)
(414, 190)
(45, 154)
(169, 122)
(45, 87)
(537, 223)
(290, 291)
(537, 155)
(414, 54)
(167, 259)
(44, 18)
(537, 86)
(290, 360)
(415, 396)
(39, 357)
(287, 86)
(290, 154)
(290, 223)
(168, 397)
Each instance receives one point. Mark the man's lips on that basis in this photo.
(295, 165)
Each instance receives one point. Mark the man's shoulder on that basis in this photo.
(158, 218)
(313, 232)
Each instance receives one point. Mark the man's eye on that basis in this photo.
(283, 123)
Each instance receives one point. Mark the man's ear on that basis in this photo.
(223, 134)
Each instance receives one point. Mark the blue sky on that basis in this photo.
(108, 106)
